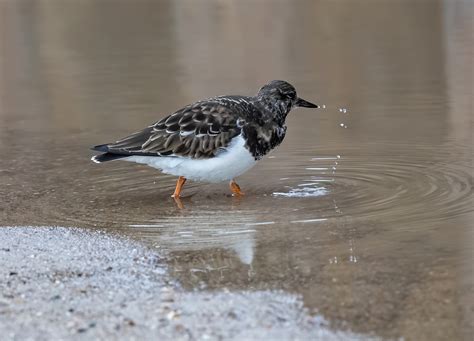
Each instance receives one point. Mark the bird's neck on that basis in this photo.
(276, 110)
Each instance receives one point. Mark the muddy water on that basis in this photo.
(371, 221)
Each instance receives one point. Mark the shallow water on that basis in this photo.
(371, 224)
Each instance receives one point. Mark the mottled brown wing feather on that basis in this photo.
(198, 131)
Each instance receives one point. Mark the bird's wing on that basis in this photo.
(198, 131)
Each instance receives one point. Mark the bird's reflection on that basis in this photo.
(196, 230)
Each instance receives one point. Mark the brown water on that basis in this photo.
(372, 224)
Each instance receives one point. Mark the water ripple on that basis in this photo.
(404, 184)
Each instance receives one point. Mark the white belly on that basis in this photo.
(230, 163)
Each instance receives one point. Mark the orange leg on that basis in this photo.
(179, 187)
(235, 188)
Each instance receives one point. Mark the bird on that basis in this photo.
(212, 140)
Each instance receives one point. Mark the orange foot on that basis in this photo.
(235, 188)
(179, 187)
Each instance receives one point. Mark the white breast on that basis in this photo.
(228, 164)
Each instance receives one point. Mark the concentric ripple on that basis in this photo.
(390, 183)
(424, 184)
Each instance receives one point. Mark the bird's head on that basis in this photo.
(279, 97)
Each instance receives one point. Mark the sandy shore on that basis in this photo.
(65, 283)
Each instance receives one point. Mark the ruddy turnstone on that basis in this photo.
(212, 140)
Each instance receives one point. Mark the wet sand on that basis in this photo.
(67, 283)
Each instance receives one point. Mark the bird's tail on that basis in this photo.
(101, 148)
(107, 157)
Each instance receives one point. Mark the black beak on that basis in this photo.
(305, 104)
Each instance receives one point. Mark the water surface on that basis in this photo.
(370, 222)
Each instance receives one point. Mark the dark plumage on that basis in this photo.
(201, 129)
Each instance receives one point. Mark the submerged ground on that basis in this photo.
(364, 216)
